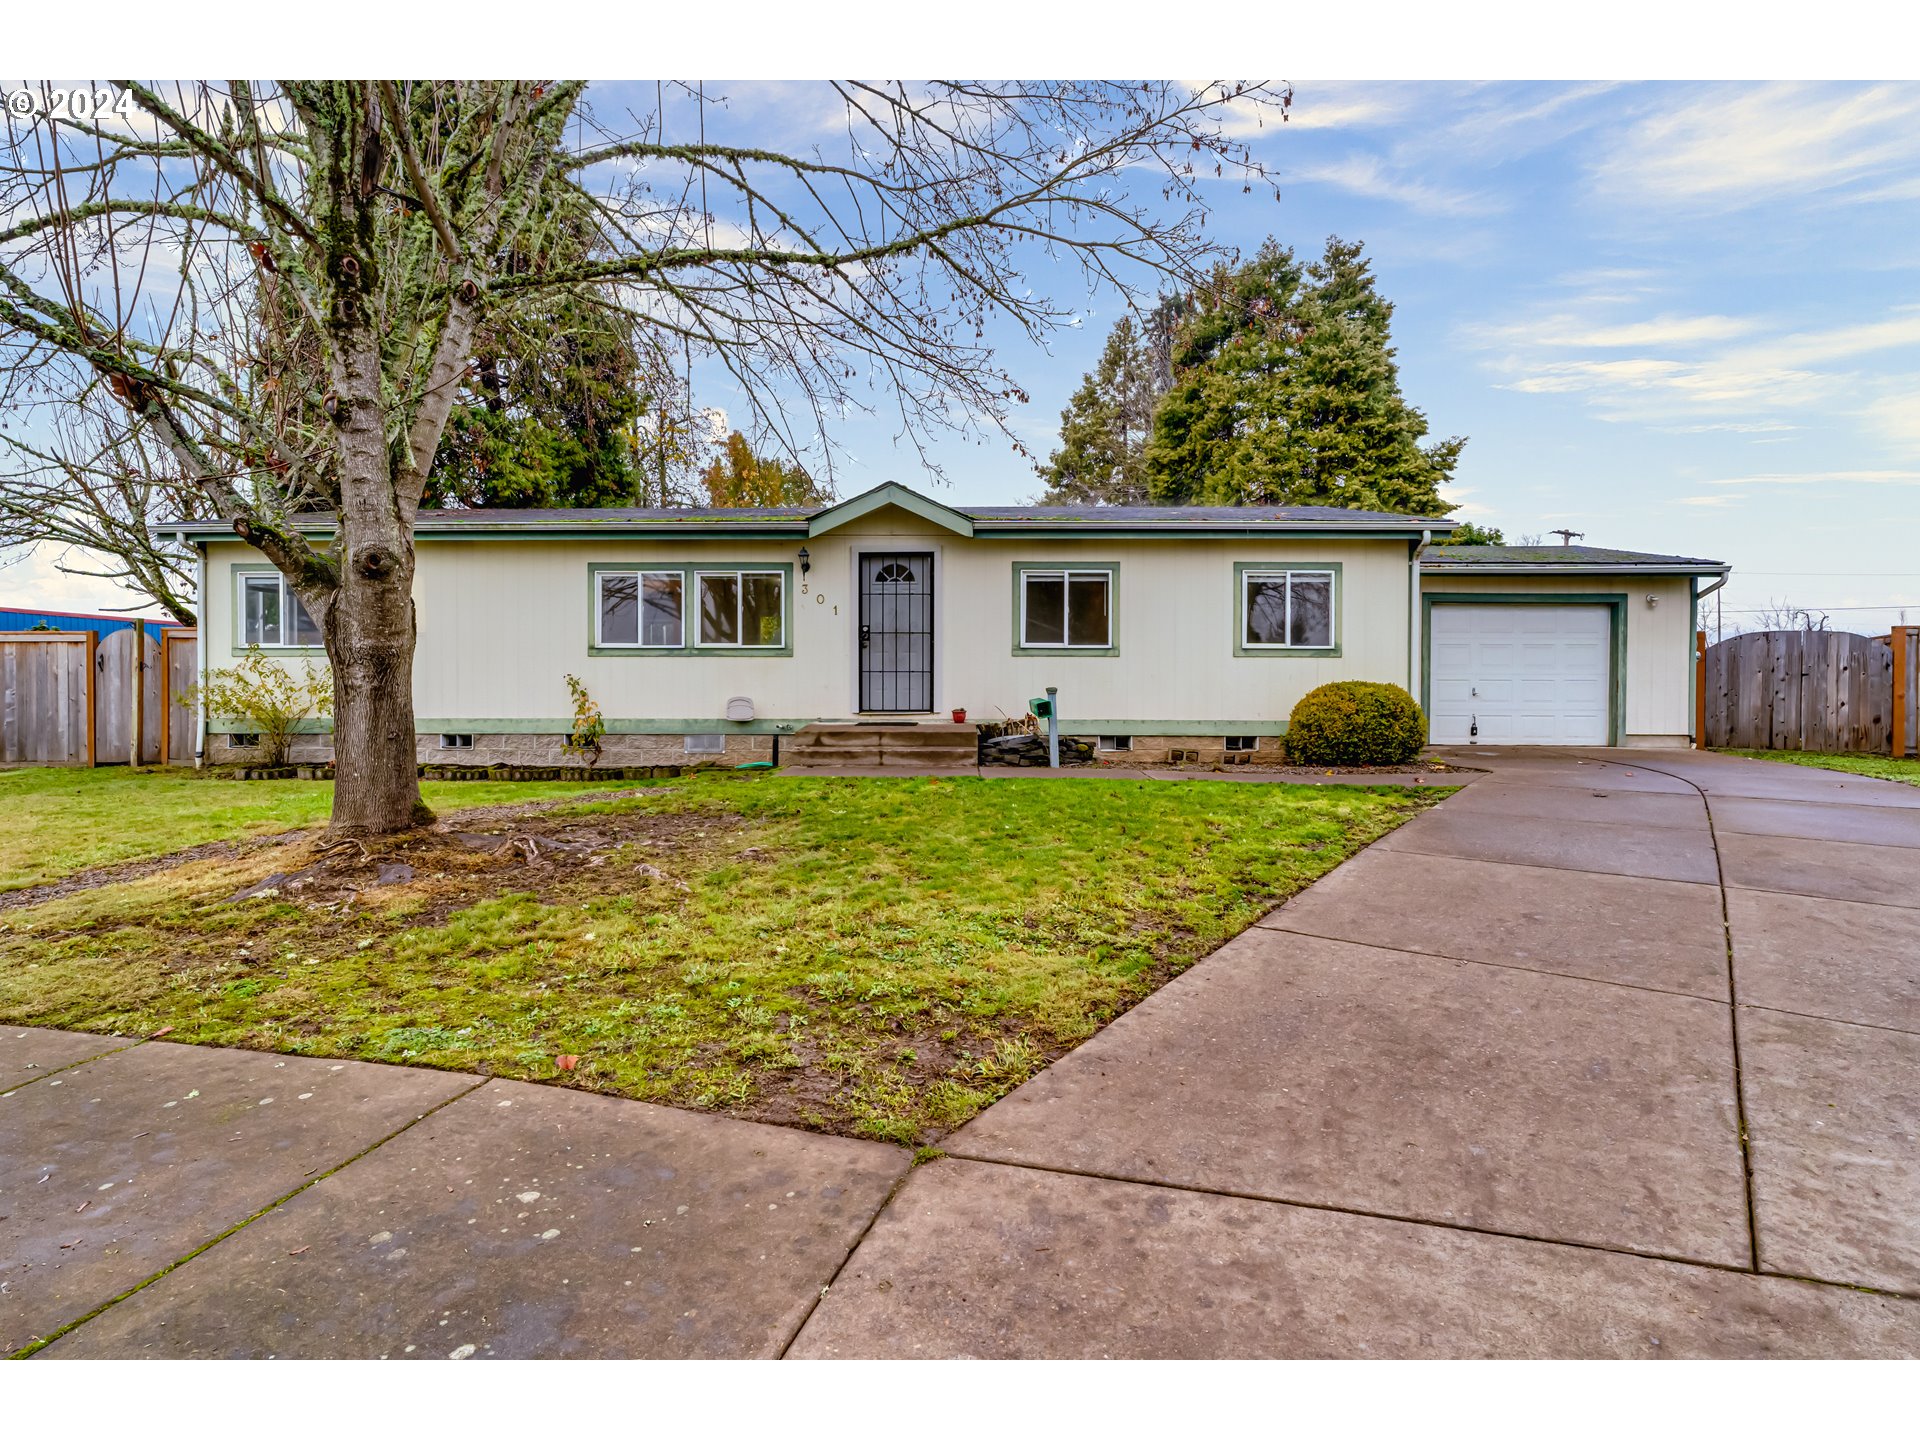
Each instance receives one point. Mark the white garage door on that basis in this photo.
(1523, 674)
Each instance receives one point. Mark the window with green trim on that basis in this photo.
(745, 608)
(640, 608)
(1287, 610)
(271, 615)
(1066, 609)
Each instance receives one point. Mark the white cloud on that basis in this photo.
(1376, 179)
(1695, 373)
(1828, 477)
(1731, 146)
(1662, 331)
(1350, 105)
(34, 580)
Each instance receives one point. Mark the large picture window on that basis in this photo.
(687, 609)
(1066, 609)
(642, 608)
(1287, 609)
(271, 615)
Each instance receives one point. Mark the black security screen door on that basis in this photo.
(896, 634)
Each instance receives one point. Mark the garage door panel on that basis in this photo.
(1522, 674)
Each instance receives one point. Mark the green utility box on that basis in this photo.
(1042, 708)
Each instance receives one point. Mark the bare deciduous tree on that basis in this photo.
(281, 283)
(100, 487)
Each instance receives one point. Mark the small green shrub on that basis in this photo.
(270, 699)
(1355, 722)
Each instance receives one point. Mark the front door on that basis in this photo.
(896, 633)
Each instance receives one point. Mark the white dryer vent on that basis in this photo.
(740, 707)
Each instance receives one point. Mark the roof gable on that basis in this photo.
(879, 498)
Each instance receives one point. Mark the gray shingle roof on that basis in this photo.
(1561, 557)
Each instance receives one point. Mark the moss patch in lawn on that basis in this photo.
(878, 957)
(1880, 767)
(60, 822)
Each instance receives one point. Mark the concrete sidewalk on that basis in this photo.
(172, 1201)
(1608, 1055)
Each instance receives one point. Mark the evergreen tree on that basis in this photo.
(741, 478)
(1105, 428)
(1285, 393)
(1468, 533)
(545, 423)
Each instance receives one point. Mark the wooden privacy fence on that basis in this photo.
(69, 697)
(1812, 690)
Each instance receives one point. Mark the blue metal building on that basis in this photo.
(13, 619)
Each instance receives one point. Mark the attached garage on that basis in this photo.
(1522, 674)
(1560, 645)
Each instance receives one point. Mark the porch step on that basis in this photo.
(836, 746)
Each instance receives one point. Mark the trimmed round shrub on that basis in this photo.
(1355, 722)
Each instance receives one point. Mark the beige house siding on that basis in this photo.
(1659, 708)
(502, 622)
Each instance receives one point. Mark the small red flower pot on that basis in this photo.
(959, 717)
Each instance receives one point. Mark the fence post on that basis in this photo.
(92, 645)
(138, 662)
(1899, 642)
(1699, 689)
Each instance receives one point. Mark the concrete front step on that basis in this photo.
(935, 745)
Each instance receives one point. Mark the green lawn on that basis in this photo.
(878, 957)
(1881, 767)
(58, 822)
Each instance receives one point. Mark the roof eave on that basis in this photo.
(1442, 567)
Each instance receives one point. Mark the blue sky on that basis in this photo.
(1680, 318)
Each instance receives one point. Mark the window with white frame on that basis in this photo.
(641, 608)
(271, 614)
(746, 608)
(1286, 609)
(1066, 609)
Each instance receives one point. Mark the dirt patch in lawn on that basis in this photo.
(477, 852)
(491, 818)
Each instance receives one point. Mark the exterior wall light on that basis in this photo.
(806, 565)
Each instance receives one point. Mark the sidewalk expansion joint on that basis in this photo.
(34, 1347)
(1499, 964)
(1492, 1232)
(132, 1044)
(1733, 1019)
(813, 1303)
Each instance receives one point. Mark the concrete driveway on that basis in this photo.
(1608, 1055)
(1611, 1054)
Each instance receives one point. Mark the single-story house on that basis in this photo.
(708, 632)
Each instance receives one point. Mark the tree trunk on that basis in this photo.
(369, 627)
(376, 776)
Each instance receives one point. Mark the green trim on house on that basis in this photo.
(690, 610)
(797, 530)
(427, 725)
(1173, 729)
(1617, 608)
(879, 498)
(1112, 568)
(1693, 656)
(1244, 651)
(234, 580)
